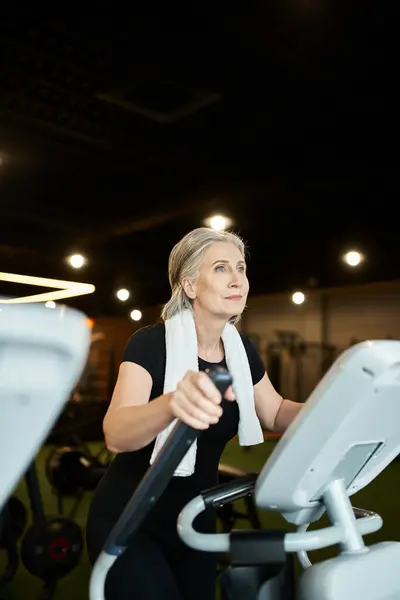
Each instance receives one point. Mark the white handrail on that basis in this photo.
(298, 542)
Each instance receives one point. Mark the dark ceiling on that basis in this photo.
(119, 132)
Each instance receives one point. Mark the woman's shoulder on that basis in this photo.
(147, 341)
(153, 332)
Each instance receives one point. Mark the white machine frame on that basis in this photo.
(42, 355)
(348, 430)
(346, 435)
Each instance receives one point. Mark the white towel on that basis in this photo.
(182, 356)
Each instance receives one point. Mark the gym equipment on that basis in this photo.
(52, 546)
(345, 436)
(13, 520)
(228, 514)
(149, 491)
(83, 415)
(35, 340)
(17, 515)
(71, 469)
(295, 366)
(53, 549)
(81, 419)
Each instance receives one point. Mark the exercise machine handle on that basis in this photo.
(367, 522)
(149, 490)
(159, 474)
(230, 491)
(298, 542)
(216, 496)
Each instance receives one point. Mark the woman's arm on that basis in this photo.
(274, 412)
(131, 421)
(287, 412)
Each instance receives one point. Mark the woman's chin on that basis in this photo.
(236, 311)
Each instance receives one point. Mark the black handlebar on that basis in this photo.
(159, 474)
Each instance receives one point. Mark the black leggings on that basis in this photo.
(152, 569)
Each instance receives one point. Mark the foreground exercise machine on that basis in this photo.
(345, 436)
(42, 354)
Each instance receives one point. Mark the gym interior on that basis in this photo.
(119, 135)
(48, 509)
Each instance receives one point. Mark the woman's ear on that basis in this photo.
(189, 288)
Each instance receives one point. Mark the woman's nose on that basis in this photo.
(235, 279)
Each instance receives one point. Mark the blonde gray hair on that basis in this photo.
(184, 262)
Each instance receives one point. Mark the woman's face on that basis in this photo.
(221, 287)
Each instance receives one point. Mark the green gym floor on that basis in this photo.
(381, 496)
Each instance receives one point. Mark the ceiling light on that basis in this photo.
(64, 289)
(136, 315)
(298, 298)
(123, 294)
(218, 222)
(76, 261)
(353, 258)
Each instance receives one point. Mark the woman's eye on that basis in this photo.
(219, 268)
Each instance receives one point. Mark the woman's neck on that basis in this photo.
(209, 342)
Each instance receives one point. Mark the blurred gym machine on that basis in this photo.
(13, 521)
(295, 366)
(82, 418)
(74, 470)
(49, 546)
(35, 340)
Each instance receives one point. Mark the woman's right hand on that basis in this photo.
(197, 401)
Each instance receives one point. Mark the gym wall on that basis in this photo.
(338, 316)
(298, 343)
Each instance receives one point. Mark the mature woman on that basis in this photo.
(162, 378)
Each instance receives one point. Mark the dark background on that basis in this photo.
(120, 131)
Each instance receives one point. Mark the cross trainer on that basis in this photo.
(346, 435)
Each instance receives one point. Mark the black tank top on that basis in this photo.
(147, 348)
